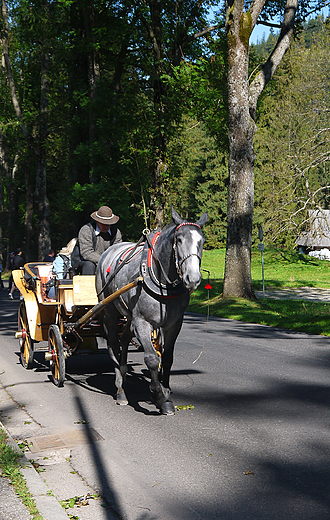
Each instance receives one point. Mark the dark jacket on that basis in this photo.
(18, 262)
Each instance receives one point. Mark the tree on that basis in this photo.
(293, 140)
(243, 97)
(35, 145)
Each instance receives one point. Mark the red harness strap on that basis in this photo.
(154, 239)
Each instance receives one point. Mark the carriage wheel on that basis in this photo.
(55, 347)
(26, 343)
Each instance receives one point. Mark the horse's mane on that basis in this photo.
(167, 231)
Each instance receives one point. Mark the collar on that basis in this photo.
(98, 231)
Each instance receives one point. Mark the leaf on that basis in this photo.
(185, 407)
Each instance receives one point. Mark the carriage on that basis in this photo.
(147, 285)
(61, 312)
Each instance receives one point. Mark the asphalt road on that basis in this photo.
(255, 445)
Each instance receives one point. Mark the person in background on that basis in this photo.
(1, 282)
(10, 282)
(93, 239)
(18, 262)
(50, 256)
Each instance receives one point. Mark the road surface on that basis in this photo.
(250, 442)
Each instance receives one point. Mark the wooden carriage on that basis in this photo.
(61, 312)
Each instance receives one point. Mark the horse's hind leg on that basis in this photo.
(160, 395)
(118, 355)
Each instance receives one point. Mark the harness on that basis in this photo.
(170, 289)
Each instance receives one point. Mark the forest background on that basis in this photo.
(88, 108)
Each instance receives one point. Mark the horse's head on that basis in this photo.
(188, 249)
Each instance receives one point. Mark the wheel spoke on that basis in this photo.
(26, 350)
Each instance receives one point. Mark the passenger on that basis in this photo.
(62, 262)
(93, 239)
(61, 267)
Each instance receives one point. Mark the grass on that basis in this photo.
(282, 270)
(10, 466)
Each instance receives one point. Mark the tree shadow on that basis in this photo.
(106, 489)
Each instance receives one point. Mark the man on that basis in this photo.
(50, 256)
(94, 238)
(18, 262)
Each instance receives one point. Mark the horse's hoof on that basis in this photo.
(121, 399)
(167, 408)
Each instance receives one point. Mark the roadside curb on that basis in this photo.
(47, 505)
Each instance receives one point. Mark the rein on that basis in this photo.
(175, 282)
(145, 233)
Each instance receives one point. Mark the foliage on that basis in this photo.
(200, 174)
(292, 143)
(110, 101)
(9, 463)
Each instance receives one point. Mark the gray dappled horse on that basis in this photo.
(170, 265)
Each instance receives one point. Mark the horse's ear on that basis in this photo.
(176, 217)
(202, 220)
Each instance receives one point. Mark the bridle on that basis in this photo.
(179, 264)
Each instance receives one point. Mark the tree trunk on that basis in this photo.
(9, 176)
(93, 80)
(241, 131)
(159, 166)
(242, 105)
(28, 221)
(2, 197)
(42, 205)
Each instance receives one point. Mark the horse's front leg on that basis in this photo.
(160, 395)
(118, 356)
(170, 336)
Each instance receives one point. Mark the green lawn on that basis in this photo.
(282, 269)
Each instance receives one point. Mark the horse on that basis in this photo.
(169, 262)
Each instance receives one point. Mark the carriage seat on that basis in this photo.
(45, 272)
